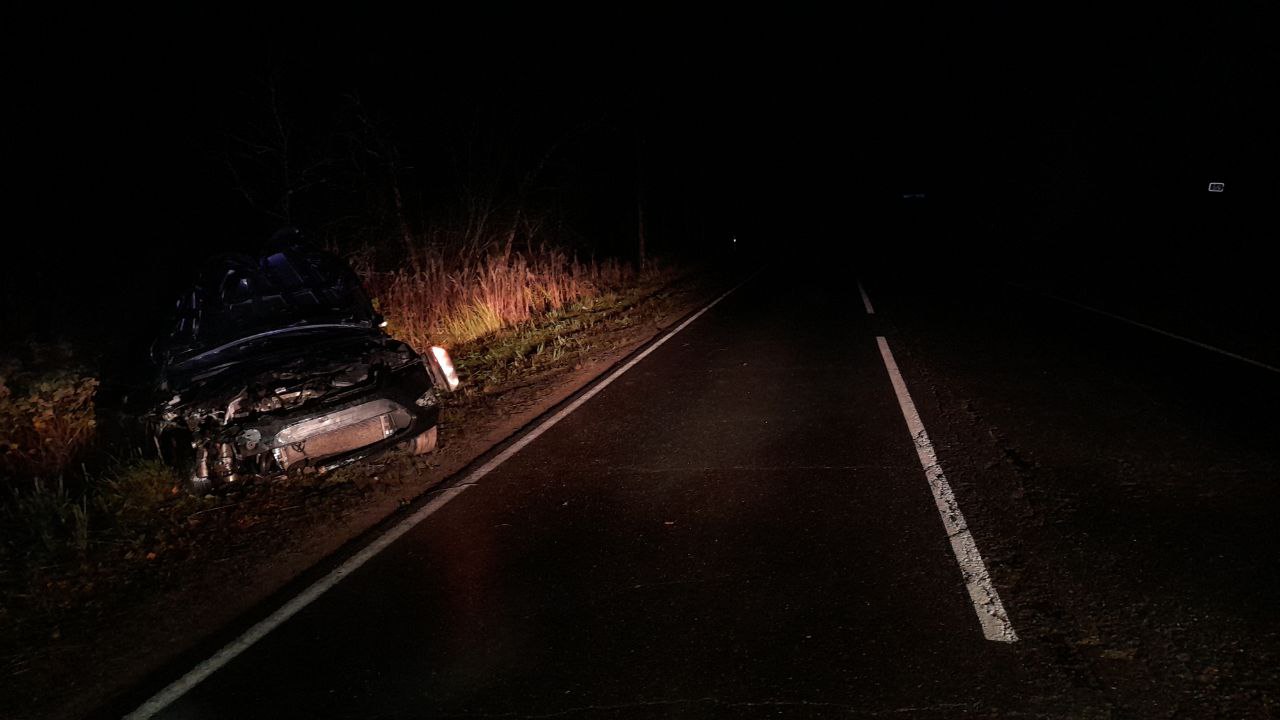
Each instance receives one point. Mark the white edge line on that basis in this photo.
(986, 601)
(259, 630)
(866, 301)
(1152, 328)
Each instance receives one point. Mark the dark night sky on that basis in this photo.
(1026, 128)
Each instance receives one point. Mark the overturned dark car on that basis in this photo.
(278, 364)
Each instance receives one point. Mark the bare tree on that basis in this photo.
(371, 143)
(270, 165)
(640, 238)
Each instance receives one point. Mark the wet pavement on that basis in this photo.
(739, 526)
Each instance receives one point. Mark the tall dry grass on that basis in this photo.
(453, 296)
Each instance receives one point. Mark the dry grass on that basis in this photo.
(455, 296)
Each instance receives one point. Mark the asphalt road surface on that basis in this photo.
(740, 525)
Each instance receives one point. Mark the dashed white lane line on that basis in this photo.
(1153, 329)
(986, 601)
(866, 301)
(200, 672)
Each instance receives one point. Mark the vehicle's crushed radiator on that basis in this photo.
(343, 439)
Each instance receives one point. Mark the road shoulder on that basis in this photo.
(104, 647)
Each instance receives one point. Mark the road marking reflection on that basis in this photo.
(986, 601)
(866, 301)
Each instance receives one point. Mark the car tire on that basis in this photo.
(424, 442)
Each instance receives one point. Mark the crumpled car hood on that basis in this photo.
(236, 296)
(280, 371)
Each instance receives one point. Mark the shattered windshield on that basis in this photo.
(239, 296)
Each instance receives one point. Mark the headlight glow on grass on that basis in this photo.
(446, 365)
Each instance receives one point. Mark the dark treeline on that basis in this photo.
(1043, 142)
(140, 159)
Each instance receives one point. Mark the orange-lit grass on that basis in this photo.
(451, 298)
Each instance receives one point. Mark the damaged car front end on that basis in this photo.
(279, 364)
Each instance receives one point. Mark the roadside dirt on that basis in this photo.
(256, 543)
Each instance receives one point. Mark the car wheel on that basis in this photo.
(424, 442)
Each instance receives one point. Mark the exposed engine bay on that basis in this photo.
(320, 387)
